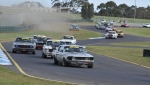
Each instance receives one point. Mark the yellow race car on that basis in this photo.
(120, 33)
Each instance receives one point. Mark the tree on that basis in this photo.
(110, 6)
(87, 11)
(69, 3)
(141, 12)
(101, 6)
(123, 9)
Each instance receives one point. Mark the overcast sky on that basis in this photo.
(47, 3)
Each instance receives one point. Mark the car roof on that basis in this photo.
(25, 37)
(68, 35)
(74, 24)
(73, 45)
(111, 31)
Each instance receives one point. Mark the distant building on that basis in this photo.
(38, 7)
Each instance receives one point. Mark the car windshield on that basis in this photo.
(74, 25)
(62, 43)
(34, 37)
(56, 44)
(40, 39)
(112, 32)
(119, 31)
(49, 43)
(74, 49)
(68, 37)
(24, 40)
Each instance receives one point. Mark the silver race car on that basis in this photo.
(24, 44)
(73, 55)
(74, 27)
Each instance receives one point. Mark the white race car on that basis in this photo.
(146, 26)
(111, 34)
(73, 55)
(47, 49)
(69, 38)
(108, 29)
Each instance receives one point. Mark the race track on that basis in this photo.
(106, 71)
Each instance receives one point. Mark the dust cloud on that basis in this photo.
(47, 21)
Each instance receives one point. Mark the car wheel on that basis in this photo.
(55, 61)
(13, 51)
(33, 52)
(43, 55)
(52, 57)
(90, 65)
(65, 63)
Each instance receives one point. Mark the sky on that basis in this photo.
(47, 3)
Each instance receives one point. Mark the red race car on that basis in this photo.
(125, 25)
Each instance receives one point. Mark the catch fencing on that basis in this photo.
(11, 19)
(16, 28)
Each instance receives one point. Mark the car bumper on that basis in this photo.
(23, 49)
(74, 29)
(39, 46)
(120, 35)
(49, 54)
(80, 62)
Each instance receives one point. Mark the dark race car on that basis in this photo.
(40, 42)
(23, 44)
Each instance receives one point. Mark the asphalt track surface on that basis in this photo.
(106, 71)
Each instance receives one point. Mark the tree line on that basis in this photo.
(109, 8)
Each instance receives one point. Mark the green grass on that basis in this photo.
(58, 27)
(129, 54)
(144, 32)
(55, 31)
(8, 77)
(130, 20)
(141, 44)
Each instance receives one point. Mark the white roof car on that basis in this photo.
(111, 34)
(109, 28)
(69, 38)
(73, 55)
(47, 49)
(146, 25)
(74, 27)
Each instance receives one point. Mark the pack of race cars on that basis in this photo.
(63, 51)
(111, 32)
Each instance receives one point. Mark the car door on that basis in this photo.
(59, 53)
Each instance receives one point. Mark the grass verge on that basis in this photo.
(144, 32)
(134, 55)
(8, 77)
(141, 44)
(52, 30)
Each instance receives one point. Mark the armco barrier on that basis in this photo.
(15, 28)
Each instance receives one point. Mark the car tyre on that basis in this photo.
(33, 52)
(43, 55)
(90, 65)
(13, 51)
(65, 63)
(55, 61)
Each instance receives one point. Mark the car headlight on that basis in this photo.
(16, 46)
(70, 57)
(31, 46)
